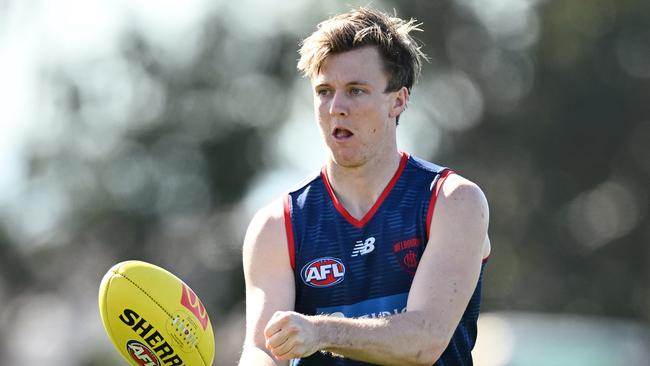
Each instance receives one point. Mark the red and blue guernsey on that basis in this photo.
(364, 268)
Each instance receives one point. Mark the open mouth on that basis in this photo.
(342, 133)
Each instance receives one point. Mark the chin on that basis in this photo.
(347, 160)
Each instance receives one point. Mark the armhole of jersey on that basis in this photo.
(289, 229)
(434, 196)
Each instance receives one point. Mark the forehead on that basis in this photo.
(361, 64)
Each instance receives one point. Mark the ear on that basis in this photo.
(398, 102)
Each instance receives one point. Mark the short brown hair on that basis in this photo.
(401, 54)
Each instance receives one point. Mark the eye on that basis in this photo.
(355, 91)
(322, 92)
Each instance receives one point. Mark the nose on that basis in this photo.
(338, 105)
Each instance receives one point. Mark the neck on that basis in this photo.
(358, 188)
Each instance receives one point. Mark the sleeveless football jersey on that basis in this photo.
(364, 268)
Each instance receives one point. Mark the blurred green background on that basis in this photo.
(153, 130)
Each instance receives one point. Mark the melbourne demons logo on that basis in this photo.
(323, 272)
(408, 254)
(193, 304)
(141, 354)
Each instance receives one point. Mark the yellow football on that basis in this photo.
(153, 318)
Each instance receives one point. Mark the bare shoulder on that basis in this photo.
(266, 232)
(271, 214)
(461, 196)
(462, 210)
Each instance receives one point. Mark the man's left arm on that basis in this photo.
(443, 284)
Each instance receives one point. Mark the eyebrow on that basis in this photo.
(355, 82)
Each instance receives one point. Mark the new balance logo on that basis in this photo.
(364, 247)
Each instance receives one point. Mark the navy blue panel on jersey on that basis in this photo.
(364, 268)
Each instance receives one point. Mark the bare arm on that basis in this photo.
(443, 284)
(269, 281)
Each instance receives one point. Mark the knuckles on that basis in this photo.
(288, 327)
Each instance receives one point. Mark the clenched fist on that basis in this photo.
(291, 335)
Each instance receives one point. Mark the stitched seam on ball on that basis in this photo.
(146, 293)
(201, 355)
(160, 306)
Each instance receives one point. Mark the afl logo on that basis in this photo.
(141, 354)
(323, 272)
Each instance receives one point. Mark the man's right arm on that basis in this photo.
(269, 281)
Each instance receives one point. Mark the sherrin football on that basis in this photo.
(153, 318)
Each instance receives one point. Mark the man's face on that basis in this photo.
(356, 117)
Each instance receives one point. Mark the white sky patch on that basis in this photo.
(171, 25)
(18, 56)
(76, 29)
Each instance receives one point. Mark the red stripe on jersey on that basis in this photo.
(289, 229)
(366, 218)
(434, 197)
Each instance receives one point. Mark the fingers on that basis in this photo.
(290, 348)
(283, 336)
(285, 351)
(277, 339)
(277, 334)
(275, 324)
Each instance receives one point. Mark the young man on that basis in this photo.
(379, 258)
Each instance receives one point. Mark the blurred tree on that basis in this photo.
(565, 165)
